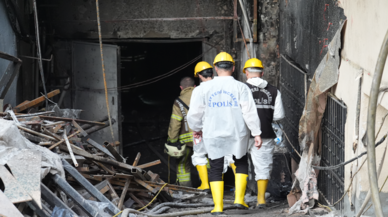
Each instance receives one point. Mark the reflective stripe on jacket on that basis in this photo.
(179, 129)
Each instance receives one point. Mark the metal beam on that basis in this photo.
(88, 186)
(53, 200)
(71, 192)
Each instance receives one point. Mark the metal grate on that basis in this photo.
(331, 182)
(292, 88)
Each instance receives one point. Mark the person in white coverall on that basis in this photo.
(204, 71)
(224, 110)
(269, 108)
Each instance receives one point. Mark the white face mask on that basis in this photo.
(254, 70)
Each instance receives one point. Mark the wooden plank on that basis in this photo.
(113, 151)
(150, 164)
(99, 147)
(136, 161)
(86, 154)
(122, 197)
(36, 101)
(79, 128)
(70, 120)
(145, 185)
(137, 200)
(22, 104)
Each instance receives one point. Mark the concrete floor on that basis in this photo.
(275, 208)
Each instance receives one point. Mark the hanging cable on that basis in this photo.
(103, 69)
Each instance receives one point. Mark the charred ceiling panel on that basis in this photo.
(306, 29)
(137, 19)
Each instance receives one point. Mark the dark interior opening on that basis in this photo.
(148, 108)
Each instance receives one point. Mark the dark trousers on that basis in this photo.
(217, 166)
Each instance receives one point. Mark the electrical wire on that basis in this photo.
(103, 70)
(381, 188)
(148, 203)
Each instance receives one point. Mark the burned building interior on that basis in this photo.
(94, 82)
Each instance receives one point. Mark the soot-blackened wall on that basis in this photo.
(306, 29)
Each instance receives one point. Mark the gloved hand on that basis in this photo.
(258, 142)
(197, 136)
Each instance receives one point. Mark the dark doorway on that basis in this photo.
(147, 109)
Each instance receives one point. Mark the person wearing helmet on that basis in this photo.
(204, 71)
(179, 133)
(224, 110)
(269, 108)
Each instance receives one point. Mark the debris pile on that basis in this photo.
(49, 166)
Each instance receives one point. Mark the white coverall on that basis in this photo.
(263, 158)
(228, 109)
(199, 155)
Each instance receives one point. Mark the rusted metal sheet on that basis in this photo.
(13, 191)
(25, 168)
(7, 209)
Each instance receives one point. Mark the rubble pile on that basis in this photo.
(50, 166)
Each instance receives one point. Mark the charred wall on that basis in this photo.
(306, 29)
(268, 37)
(139, 19)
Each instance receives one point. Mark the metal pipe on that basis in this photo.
(249, 29)
(66, 187)
(151, 19)
(39, 50)
(367, 198)
(371, 124)
(254, 21)
(235, 20)
(182, 213)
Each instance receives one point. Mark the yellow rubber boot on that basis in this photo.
(233, 168)
(202, 170)
(241, 185)
(218, 197)
(261, 188)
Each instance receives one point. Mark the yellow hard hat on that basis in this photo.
(223, 57)
(254, 62)
(200, 67)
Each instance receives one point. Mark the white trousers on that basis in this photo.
(262, 158)
(199, 156)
